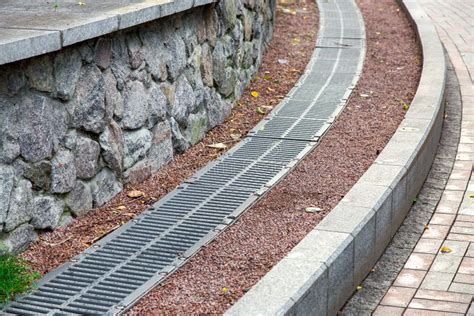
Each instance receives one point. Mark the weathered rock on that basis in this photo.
(79, 201)
(104, 187)
(180, 143)
(67, 68)
(217, 109)
(227, 13)
(89, 112)
(63, 172)
(184, 101)
(7, 174)
(66, 219)
(20, 205)
(19, 239)
(113, 99)
(177, 55)
(136, 145)
(40, 73)
(103, 53)
(157, 103)
(9, 147)
(36, 134)
(69, 139)
(161, 150)
(87, 157)
(135, 106)
(60, 122)
(206, 65)
(46, 212)
(197, 127)
(111, 142)
(39, 173)
(227, 85)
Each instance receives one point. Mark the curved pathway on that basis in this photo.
(438, 277)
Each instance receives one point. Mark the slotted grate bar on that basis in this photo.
(119, 269)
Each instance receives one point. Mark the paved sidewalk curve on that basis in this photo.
(438, 277)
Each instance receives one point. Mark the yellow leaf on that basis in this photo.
(217, 146)
(80, 3)
(445, 250)
(135, 194)
(260, 111)
(255, 94)
(225, 290)
(471, 196)
(267, 77)
(359, 287)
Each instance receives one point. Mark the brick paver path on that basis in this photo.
(438, 277)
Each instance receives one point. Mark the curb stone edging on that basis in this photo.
(322, 271)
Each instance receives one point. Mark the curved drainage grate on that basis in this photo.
(116, 271)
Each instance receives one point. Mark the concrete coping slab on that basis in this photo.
(33, 28)
(359, 228)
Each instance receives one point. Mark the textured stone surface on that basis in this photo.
(104, 187)
(63, 172)
(89, 112)
(20, 205)
(79, 123)
(87, 157)
(46, 212)
(19, 239)
(6, 186)
(79, 200)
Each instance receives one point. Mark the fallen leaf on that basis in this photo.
(218, 146)
(225, 290)
(255, 94)
(260, 111)
(312, 210)
(267, 107)
(471, 196)
(364, 95)
(235, 136)
(282, 61)
(121, 208)
(359, 287)
(427, 226)
(445, 250)
(270, 89)
(135, 194)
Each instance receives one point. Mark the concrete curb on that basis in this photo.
(322, 271)
(41, 30)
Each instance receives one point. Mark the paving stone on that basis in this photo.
(398, 296)
(462, 288)
(462, 230)
(426, 245)
(420, 312)
(442, 219)
(439, 281)
(470, 250)
(436, 232)
(443, 296)
(388, 310)
(456, 185)
(444, 262)
(439, 305)
(467, 266)
(461, 237)
(458, 248)
(409, 278)
(464, 278)
(450, 201)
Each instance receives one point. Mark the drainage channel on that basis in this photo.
(114, 273)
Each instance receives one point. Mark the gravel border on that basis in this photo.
(322, 271)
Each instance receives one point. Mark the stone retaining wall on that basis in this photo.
(78, 124)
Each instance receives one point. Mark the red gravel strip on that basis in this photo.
(296, 28)
(223, 271)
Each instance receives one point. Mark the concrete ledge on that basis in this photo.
(39, 27)
(322, 271)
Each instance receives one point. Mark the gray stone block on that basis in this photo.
(18, 44)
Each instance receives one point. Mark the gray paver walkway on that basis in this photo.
(438, 277)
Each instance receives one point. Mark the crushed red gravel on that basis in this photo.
(225, 269)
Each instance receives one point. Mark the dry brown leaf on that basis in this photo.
(218, 146)
(135, 194)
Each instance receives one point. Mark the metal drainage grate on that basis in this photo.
(119, 269)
